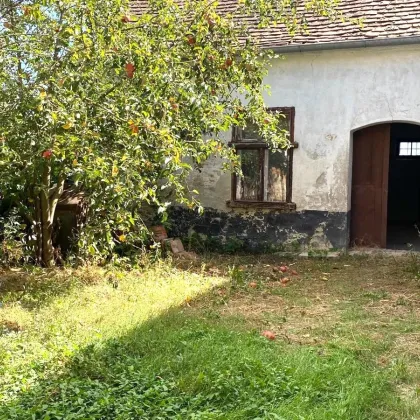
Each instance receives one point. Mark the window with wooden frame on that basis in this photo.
(266, 179)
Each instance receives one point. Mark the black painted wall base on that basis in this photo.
(264, 231)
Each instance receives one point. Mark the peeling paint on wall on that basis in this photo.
(319, 239)
(321, 180)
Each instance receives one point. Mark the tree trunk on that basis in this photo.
(37, 230)
(47, 250)
(49, 199)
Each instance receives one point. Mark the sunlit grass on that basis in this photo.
(169, 342)
(95, 305)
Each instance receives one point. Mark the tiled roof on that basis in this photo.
(382, 19)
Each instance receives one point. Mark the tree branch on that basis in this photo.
(59, 188)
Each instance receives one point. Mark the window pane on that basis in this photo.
(415, 149)
(250, 133)
(405, 149)
(249, 186)
(278, 168)
(284, 121)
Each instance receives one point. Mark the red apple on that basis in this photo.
(129, 70)
(191, 39)
(228, 62)
(46, 154)
(269, 335)
(134, 128)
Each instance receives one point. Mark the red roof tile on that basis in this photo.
(382, 19)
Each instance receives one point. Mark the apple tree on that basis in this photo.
(123, 107)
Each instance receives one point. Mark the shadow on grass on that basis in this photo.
(181, 365)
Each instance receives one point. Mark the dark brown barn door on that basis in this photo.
(369, 204)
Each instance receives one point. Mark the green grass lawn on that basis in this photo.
(183, 340)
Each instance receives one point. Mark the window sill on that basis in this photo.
(281, 206)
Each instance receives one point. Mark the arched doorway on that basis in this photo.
(385, 208)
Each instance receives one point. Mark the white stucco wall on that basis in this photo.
(334, 93)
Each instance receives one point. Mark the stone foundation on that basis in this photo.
(262, 231)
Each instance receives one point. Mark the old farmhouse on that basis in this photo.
(351, 95)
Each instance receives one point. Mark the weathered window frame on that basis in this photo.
(287, 205)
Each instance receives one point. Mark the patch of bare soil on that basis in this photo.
(295, 323)
(408, 344)
(12, 281)
(397, 305)
(312, 306)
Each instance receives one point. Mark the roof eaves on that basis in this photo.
(363, 43)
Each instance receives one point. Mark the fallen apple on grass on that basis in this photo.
(269, 335)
